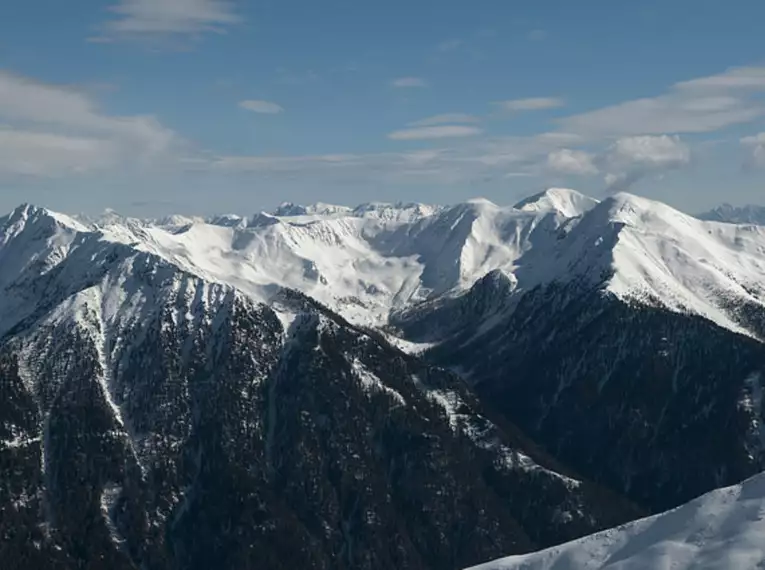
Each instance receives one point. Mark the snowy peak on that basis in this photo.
(399, 212)
(720, 531)
(28, 215)
(390, 212)
(569, 203)
(288, 209)
(665, 257)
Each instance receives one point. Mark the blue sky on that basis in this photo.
(200, 106)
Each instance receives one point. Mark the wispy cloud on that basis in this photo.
(154, 18)
(30, 153)
(734, 78)
(631, 159)
(624, 162)
(701, 105)
(52, 130)
(436, 132)
(756, 145)
(408, 82)
(447, 118)
(291, 77)
(464, 161)
(259, 106)
(568, 161)
(532, 104)
(450, 45)
(754, 140)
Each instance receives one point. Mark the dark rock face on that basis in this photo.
(658, 406)
(205, 435)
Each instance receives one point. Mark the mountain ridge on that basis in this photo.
(402, 254)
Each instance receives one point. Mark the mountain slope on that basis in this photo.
(150, 418)
(641, 369)
(718, 531)
(179, 393)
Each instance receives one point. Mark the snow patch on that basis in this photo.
(372, 384)
(109, 497)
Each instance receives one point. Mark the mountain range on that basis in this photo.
(750, 214)
(386, 386)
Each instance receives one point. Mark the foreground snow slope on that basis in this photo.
(378, 258)
(722, 530)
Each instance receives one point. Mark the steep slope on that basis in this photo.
(642, 369)
(621, 335)
(719, 531)
(150, 418)
(667, 258)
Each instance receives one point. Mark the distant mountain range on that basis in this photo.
(736, 214)
(387, 386)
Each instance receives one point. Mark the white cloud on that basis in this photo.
(438, 132)
(281, 163)
(30, 153)
(758, 156)
(257, 106)
(406, 82)
(701, 105)
(757, 145)
(660, 151)
(445, 119)
(754, 140)
(568, 161)
(52, 129)
(142, 18)
(631, 159)
(625, 161)
(464, 162)
(532, 104)
(735, 78)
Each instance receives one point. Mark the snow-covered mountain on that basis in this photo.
(719, 531)
(210, 374)
(166, 403)
(370, 261)
(362, 262)
(749, 214)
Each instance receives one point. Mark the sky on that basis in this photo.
(151, 107)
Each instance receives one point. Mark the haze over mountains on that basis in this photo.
(391, 385)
